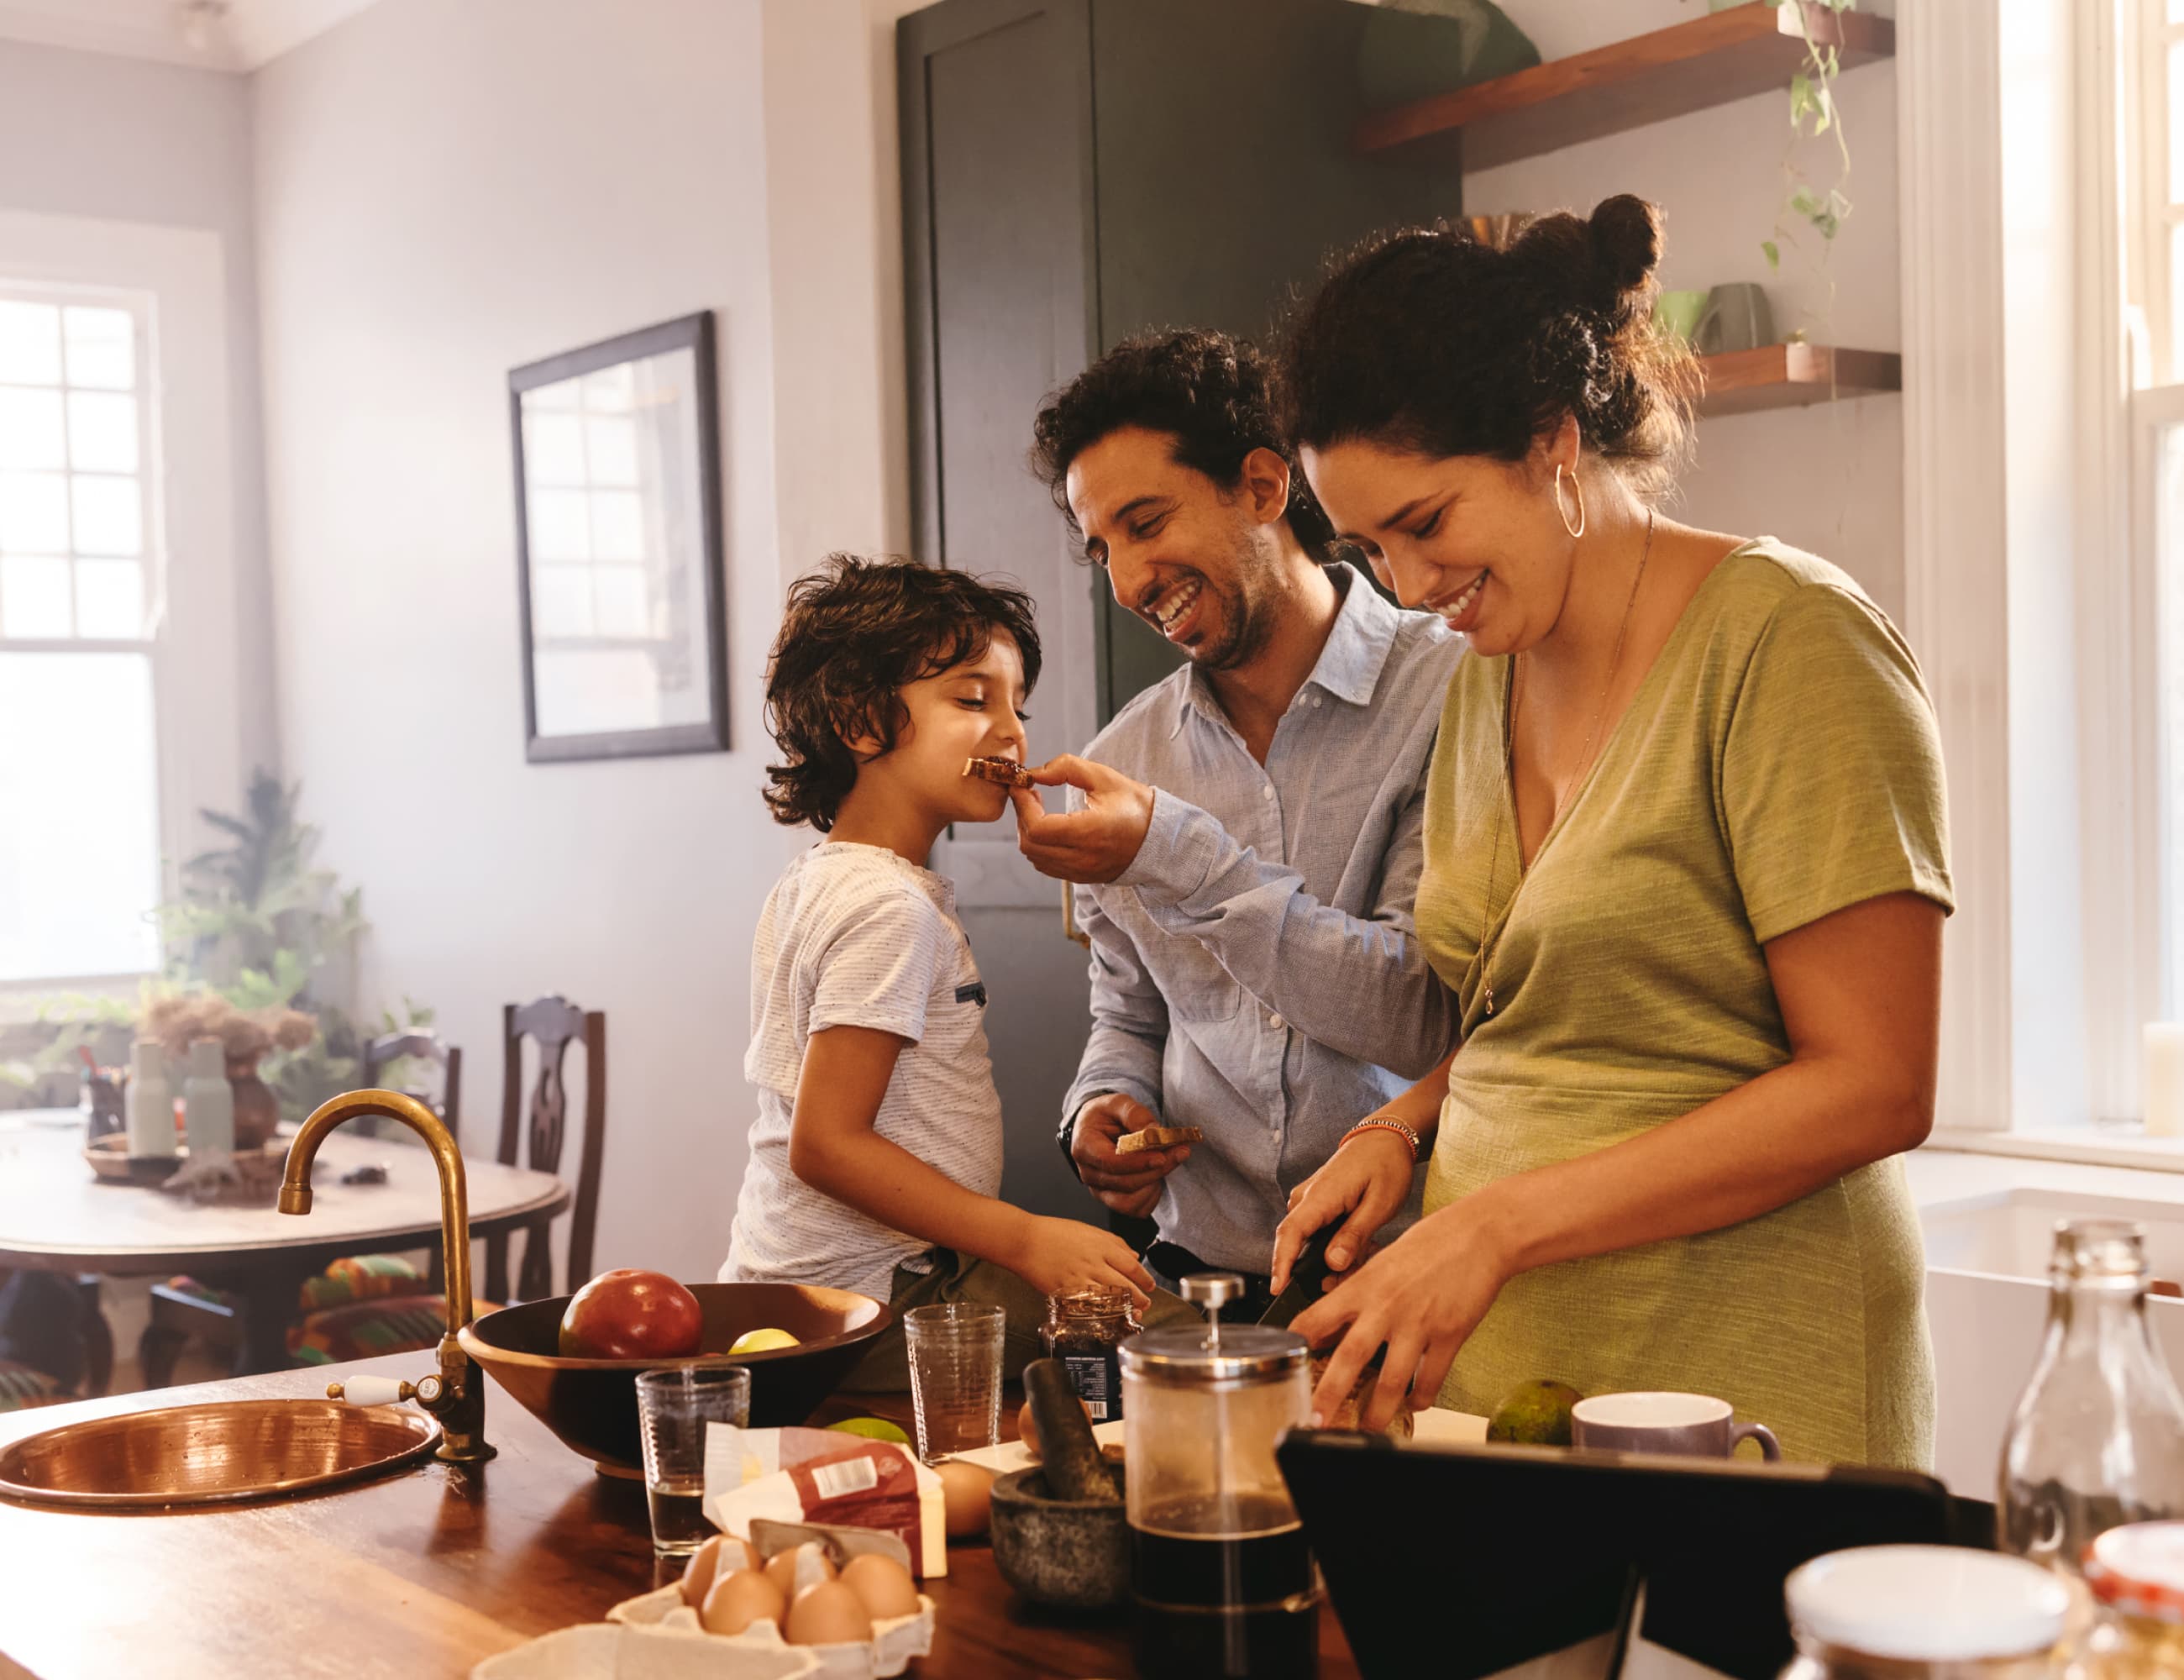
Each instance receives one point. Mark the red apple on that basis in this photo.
(629, 1314)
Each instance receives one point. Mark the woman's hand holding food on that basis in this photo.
(1421, 1297)
(1059, 1256)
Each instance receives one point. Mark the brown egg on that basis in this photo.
(800, 1566)
(1027, 1427)
(737, 1600)
(722, 1555)
(828, 1614)
(968, 1492)
(883, 1585)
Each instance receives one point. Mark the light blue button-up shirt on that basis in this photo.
(1255, 972)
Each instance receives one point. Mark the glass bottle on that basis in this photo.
(2136, 1573)
(2098, 1437)
(1085, 1329)
(1923, 1613)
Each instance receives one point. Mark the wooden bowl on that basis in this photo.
(591, 1403)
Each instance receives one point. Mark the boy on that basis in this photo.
(876, 1158)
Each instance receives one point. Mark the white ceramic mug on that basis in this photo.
(1691, 1426)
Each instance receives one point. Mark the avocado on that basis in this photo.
(1536, 1414)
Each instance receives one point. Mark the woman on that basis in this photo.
(1685, 870)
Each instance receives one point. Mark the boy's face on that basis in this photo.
(973, 710)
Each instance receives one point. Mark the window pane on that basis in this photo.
(80, 864)
(102, 348)
(619, 592)
(33, 512)
(110, 599)
(30, 429)
(109, 517)
(34, 595)
(559, 527)
(610, 390)
(618, 525)
(561, 601)
(102, 431)
(613, 441)
(553, 449)
(29, 344)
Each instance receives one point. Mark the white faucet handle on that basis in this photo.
(371, 1391)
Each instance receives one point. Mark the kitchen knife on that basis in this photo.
(1307, 1278)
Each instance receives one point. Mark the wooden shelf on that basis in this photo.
(1708, 61)
(1793, 376)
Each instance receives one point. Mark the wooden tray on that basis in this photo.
(110, 1159)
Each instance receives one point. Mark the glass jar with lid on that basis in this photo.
(1085, 1330)
(2137, 1574)
(1926, 1613)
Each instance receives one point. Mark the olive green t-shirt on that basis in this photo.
(1779, 762)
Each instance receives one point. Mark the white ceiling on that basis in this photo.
(236, 35)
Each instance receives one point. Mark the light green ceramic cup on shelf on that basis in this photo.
(1677, 312)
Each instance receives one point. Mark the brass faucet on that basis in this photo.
(456, 1396)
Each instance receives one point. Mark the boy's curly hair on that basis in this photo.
(858, 632)
(1212, 394)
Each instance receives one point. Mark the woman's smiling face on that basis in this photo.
(1479, 543)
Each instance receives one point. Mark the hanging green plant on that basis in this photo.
(1813, 114)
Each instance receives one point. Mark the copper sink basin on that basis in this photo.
(214, 1454)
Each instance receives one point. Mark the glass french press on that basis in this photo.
(1221, 1579)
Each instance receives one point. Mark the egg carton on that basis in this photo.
(895, 1642)
(614, 1651)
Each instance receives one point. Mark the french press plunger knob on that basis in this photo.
(1212, 1290)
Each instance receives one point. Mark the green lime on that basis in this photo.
(872, 1429)
(1534, 1414)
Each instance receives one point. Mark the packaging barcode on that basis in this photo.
(844, 1476)
(1098, 1409)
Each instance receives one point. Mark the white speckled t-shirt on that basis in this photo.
(856, 936)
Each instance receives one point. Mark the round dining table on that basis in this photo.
(56, 1214)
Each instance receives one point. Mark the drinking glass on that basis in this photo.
(673, 1407)
(955, 1377)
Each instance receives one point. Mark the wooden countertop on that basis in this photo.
(423, 1573)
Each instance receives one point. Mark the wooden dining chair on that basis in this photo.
(534, 1130)
(533, 1134)
(185, 1306)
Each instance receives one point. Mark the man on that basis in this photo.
(1246, 833)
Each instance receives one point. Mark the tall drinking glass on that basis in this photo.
(673, 1407)
(955, 1377)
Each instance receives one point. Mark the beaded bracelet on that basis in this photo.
(1382, 1122)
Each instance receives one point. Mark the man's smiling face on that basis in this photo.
(1181, 554)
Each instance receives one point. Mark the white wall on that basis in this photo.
(90, 137)
(1828, 478)
(445, 191)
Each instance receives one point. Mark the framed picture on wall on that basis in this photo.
(618, 546)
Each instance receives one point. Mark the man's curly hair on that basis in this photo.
(1212, 394)
(858, 632)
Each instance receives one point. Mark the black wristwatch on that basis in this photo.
(1067, 1135)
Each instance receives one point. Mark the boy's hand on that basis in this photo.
(1090, 846)
(1062, 1255)
(1129, 1184)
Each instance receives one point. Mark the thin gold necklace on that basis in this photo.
(1490, 939)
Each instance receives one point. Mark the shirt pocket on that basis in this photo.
(1196, 988)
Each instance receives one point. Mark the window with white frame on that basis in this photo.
(81, 554)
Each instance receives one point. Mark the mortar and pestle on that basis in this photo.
(1061, 1533)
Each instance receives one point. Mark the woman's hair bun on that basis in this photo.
(1626, 243)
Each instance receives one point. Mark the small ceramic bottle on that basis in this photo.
(150, 1102)
(208, 1104)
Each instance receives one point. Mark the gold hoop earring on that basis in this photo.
(1576, 490)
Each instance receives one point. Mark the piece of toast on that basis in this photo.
(1157, 1138)
(1005, 771)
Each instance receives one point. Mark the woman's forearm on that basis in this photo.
(1419, 1107)
(1765, 1144)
